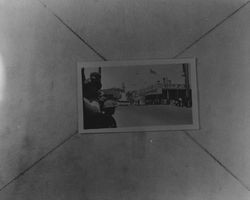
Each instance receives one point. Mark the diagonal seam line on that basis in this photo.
(73, 31)
(72, 135)
(103, 58)
(216, 160)
(39, 160)
(188, 135)
(211, 30)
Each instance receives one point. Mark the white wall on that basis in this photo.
(38, 110)
(223, 76)
(142, 29)
(38, 84)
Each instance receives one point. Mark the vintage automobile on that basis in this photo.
(123, 103)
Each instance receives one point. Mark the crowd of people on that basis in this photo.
(98, 109)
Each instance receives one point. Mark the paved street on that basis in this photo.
(152, 115)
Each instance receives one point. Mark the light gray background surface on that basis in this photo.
(38, 101)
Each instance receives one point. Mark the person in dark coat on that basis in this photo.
(92, 86)
(91, 93)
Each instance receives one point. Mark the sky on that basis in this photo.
(138, 77)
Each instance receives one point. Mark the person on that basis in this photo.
(92, 86)
(91, 93)
(180, 102)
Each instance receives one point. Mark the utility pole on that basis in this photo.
(100, 71)
(83, 79)
(187, 84)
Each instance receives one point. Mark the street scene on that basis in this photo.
(152, 115)
(118, 97)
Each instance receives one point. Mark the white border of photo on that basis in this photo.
(125, 63)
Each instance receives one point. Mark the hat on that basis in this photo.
(95, 75)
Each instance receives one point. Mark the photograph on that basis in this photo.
(146, 95)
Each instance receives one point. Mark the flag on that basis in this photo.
(152, 71)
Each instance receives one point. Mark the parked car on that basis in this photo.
(123, 103)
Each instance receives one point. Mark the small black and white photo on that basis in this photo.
(152, 95)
